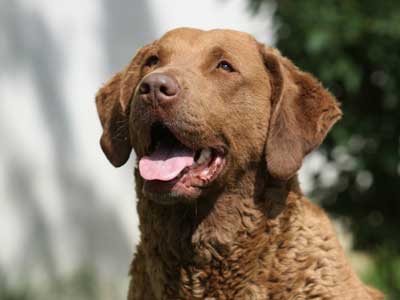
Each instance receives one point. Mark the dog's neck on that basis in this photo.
(188, 239)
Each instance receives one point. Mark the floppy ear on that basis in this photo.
(112, 102)
(302, 112)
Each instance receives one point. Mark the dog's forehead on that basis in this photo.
(180, 35)
(189, 40)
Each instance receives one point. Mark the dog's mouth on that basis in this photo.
(172, 166)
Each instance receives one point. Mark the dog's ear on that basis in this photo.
(112, 102)
(302, 112)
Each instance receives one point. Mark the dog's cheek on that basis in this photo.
(250, 128)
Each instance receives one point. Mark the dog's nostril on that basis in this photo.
(144, 88)
(165, 90)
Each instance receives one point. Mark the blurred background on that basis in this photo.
(68, 221)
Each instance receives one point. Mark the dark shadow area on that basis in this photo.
(128, 26)
(36, 248)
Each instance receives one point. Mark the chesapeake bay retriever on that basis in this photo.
(220, 125)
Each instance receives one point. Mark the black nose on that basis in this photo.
(158, 89)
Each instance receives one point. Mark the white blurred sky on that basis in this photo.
(209, 14)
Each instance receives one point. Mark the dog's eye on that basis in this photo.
(224, 65)
(152, 61)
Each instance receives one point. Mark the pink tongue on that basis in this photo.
(165, 163)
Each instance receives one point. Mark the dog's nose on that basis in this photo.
(158, 89)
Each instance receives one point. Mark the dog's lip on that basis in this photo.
(216, 146)
(182, 137)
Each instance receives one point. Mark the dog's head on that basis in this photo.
(199, 107)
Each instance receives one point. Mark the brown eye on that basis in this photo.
(152, 61)
(224, 65)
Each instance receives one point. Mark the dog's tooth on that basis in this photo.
(204, 156)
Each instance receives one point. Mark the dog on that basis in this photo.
(220, 124)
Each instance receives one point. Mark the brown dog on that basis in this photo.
(220, 125)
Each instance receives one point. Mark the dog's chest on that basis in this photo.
(220, 260)
(222, 278)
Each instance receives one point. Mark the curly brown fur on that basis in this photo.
(249, 233)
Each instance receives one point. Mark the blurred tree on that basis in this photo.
(353, 47)
(8, 292)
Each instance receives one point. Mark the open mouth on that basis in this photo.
(172, 166)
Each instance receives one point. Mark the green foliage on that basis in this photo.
(83, 284)
(9, 292)
(353, 47)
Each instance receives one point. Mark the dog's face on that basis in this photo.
(200, 108)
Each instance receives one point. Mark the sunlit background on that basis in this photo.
(68, 224)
